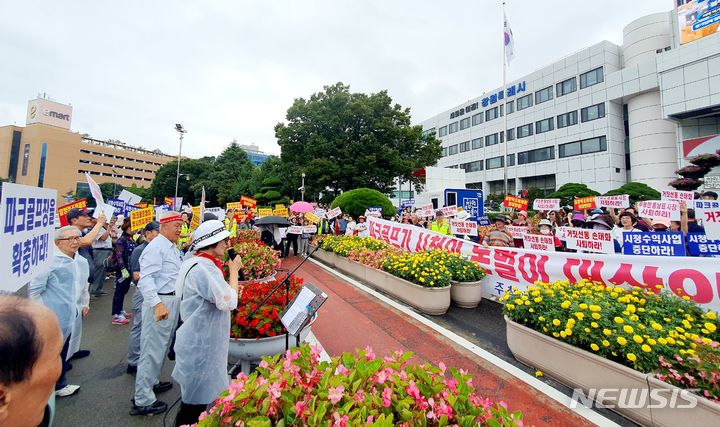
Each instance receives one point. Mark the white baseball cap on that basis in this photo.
(208, 233)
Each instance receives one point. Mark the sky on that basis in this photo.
(229, 70)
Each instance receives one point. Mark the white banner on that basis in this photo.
(449, 211)
(678, 196)
(669, 210)
(468, 228)
(134, 199)
(514, 268)
(582, 239)
(517, 231)
(333, 213)
(295, 229)
(546, 204)
(539, 242)
(616, 202)
(97, 195)
(310, 229)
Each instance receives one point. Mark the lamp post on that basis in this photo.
(302, 191)
(114, 182)
(179, 128)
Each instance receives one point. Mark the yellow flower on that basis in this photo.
(631, 357)
(606, 343)
(710, 315)
(565, 304)
(556, 322)
(594, 346)
(587, 330)
(710, 327)
(646, 348)
(563, 334)
(619, 320)
(607, 332)
(631, 308)
(579, 315)
(541, 318)
(595, 307)
(628, 329)
(583, 306)
(662, 340)
(638, 339)
(621, 340)
(596, 316)
(651, 341)
(538, 374)
(594, 325)
(670, 340)
(568, 332)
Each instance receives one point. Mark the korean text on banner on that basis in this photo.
(616, 202)
(310, 229)
(129, 198)
(159, 210)
(706, 204)
(64, 209)
(670, 243)
(119, 206)
(295, 229)
(516, 203)
(375, 211)
(248, 202)
(279, 207)
(312, 217)
(655, 209)
(517, 231)
(234, 205)
(585, 203)
(711, 222)
(283, 212)
(195, 221)
(265, 212)
(141, 217)
(539, 242)
(27, 242)
(169, 201)
(320, 213)
(699, 245)
(426, 211)
(585, 240)
(546, 204)
(333, 213)
(468, 228)
(678, 196)
(449, 211)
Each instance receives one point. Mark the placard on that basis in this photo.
(449, 211)
(582, 239)
(27, 242)
(539, 242)
(426, 211)
(711, 221)
(679, 196)
(195, 220)
(334, 213)
(283, 212)
(517, 203)
(616, 202)
(655, 209)
(700, 245)
(119, 206)
(265, 212)
(467, 228)
(669, 243)
(142, 217)
(546, 204)
(279, 207)
(130, 198)
(517, 231)
(234, 205)
(310, 216)
(64, 209)
(375, 211)
(585, 203)
(484, 220)
(407, 204)
(295, 229)
(169, 201)
(706, 204)
(561, 232)
(248, 202)
(159, 210)
(320, 213)
(310, 229)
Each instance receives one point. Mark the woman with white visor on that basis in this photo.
(206, 300)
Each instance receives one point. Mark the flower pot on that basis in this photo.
(466, 294)
(265, 279)
(577, 368)
(325, 257)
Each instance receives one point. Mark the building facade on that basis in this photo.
(603, 116)
(253, 152)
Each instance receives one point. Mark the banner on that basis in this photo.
(517, 268)
(449, 211)
(546, 204)
(310, 229)
(585, 203)
(659, 209)
(141, 205)
(334, 213)
(279, 206)
(375, 211)
(516, 203)
(697, 19)
(159, 210)
(706, 204)
(699, 245)
(265, 212)
(679, 196)
(539, 242)
(711, 221)
(248, 202)
(582, 239)
(64, 209)
(468, 228)
(310, 216)
(517, 231)
(617, 202)
(295, 229)
(141, 217)
(27, 218)
(282, 211)
(234, 205)
(669, 243)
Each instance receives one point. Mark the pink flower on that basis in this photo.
(342, 370)
(386, 397)
(335, 394)
(370, 419)
(369, 354)
(452, 384)
(412, 390)
(340, 421)
(381, 377)
(299, 408)
(442, 367)
(359, 397)
(315, 353)
(263, 364)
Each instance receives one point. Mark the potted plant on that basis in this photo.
(420, 279)
(260, 262)
(692, 171)
(685, 184)
(707, 161)
(466, 283)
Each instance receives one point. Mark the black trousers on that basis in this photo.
(62, 381)
(291, 241)
(188, 414)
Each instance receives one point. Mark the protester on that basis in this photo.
(80, 219)
(545, 227)
(324, 227)
(555, 218)
(31, 336)
(230, 223)
(292, 238)
(159, 266)
(123, 250)
(693, 226)
(709, 195)
(350, 227)
(660, 224)
(184, 239)
(150, 232)
(440, 225)
(627, 224)
(521, 221)
(82, 308)
(499, 235)
(102, 249)
(361, 227)
(202, 341)
(304, 239)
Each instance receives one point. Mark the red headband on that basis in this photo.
(171, 218)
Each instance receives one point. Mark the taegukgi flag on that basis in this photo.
(509, 41)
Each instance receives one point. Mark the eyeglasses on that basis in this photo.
(73, 239)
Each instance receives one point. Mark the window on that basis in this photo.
(590, 78)
(26, 158)
(543, 126)
(565, 87)
(511, 160)
(443, 131)
(510, 134)
(510, 107)
(567, 119)
(491, 114)
(586, 146)
(491, 140)
(429, 132)
(465, 146)
(502, 110)
(494, 163)
(502, 137)
(444, 152)
(465, 123)
(592, 112)
(453, 149)
(477, 143)
(472, 166)
(14, 155)
(538, 155)
(544, 95)
(525, 130)
(477, 119)
(453, 127)
(524, 102)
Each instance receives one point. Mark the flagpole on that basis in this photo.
(505, 112)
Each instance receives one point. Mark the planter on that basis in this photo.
(325, 257)
(265, 279)
(466, 294)
(577, 368)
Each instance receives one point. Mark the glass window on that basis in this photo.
(477, 143)
(592, 112)
(26, 158)
(491, 140)
(443, 131)
(511, 159)
(453, 127)
(502, 110)
(465, 123)
(465, 146)
(510, 107)
(567, 119)
(429, 132)
(502, 137)
(592, 77)
(544, 95)
(453, 149)
(510, 134)
(525, 130)
(43, 157)
(494, 163)
(586, 146)
(444, 152)
(472, 166)
(565, 87)
(491, 114)
(477, 119)
(538, 155)
(544, 125)
(524, 102)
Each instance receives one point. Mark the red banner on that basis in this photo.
(248, 202)
(516, 203)
(585, 203)
(169, 201)
(64, 209)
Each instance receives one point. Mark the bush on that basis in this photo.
(355, 202)
(699, 371)
(637, 191)
(568, 192)
(426, 269)
(266, 321)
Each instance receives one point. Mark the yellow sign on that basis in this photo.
(141, 217)
(312, 217)
(265, 212)
(281, 211)
(234, 205)
(279, 207)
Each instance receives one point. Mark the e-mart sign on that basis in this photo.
(49, 112)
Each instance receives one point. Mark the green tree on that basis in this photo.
(343, 140)
(270, 194)
(229, 177)
(568, 192)
(355, 202)
(637, 191)
(194, 171)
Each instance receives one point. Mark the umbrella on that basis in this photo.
(302, 207)
(273, 219)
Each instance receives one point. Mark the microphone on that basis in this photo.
(232, 254)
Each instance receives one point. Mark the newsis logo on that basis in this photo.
(33, 111)
(633, 398)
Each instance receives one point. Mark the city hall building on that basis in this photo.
(603, 116)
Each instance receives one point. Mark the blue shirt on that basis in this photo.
(159, 266)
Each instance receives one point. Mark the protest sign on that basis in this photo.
(468, 228)
(407, 204)
(706, 204)
(130, 198)
(218, 212)
(295, 229)
(265, 212)
(517, 231)
(483, 220)
(582, 239)
(678, 196)
(141, 217)
(169, 201)
(320, 213)
(312, 217)
(334, 213)
(375, 211)
(64, 209)
(106, 209)
(248, 202)
(282, 211)
(546, 204)
(159, 211)
(711, 221)
(234, 205)
(279, 206)
(655, 209)
(616, 202)
(449, 211)
(141, 205)
(119, 206)
(310, 229)
(669, 243)
(561, 232)
(27, 242)
(700, 245)
(96, 193)
(426, 211)
(539, 242)
(196, 220)
(585, 203)
(517, 203)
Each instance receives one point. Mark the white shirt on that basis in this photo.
(159, 266)
(102, 244)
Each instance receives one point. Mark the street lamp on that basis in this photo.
(114, 181)
(179, 128)
(302, 189)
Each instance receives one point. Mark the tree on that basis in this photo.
(355, 202)
(269, 194)
(532, 194)
(344, 140)
(637, 191)
(568, 192)
(229, 177)
(194, 171)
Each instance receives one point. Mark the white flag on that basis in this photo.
(202, 204)
(509, 42)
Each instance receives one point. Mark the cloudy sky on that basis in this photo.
(230, 69)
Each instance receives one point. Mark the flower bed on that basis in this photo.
(354, 389)
(259, 260)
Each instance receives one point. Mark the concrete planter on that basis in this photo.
(577, 368)
(466, 294)
(325, 257)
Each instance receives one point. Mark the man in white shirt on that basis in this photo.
(102, 249)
